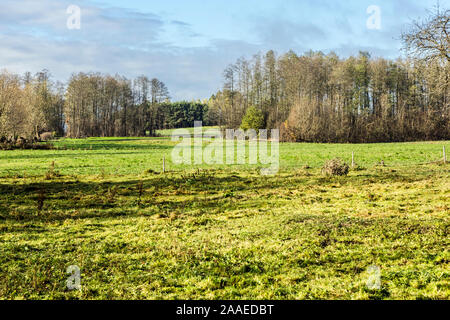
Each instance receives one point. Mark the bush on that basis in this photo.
(336, 167)
(24, 145)
(253, 119)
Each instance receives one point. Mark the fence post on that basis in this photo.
(353, 159)
(164, 164)
(445, 156)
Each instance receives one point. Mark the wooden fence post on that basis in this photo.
(164, 164)
(353, 159)
(445, 156)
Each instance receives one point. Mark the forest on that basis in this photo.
(324, 98)
(317, 97)
(311, 97)
(92, 105)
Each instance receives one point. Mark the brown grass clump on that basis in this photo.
(335, 167)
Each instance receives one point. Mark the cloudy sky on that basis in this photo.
(188, 43)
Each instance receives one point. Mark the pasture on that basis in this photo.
(223, 232)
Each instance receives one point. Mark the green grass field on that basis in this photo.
(223, 232)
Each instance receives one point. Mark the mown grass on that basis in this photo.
(223, 232)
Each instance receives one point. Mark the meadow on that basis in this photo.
(225, 231)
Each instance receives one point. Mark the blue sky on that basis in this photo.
(188, 43)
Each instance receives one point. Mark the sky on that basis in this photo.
(188, 43)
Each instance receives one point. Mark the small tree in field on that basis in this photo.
(253, 119)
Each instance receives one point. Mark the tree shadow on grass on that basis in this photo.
(97, 151)
(176, 192)
(60, 200)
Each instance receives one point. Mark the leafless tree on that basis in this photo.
(429, 39)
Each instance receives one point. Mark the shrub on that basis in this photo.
(253, 119)
(336, 167)
(25, 145)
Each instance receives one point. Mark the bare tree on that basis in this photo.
(429, 39)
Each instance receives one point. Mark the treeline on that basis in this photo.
(91, 105)
(29, 105)
(323, 98)
(102, 105)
